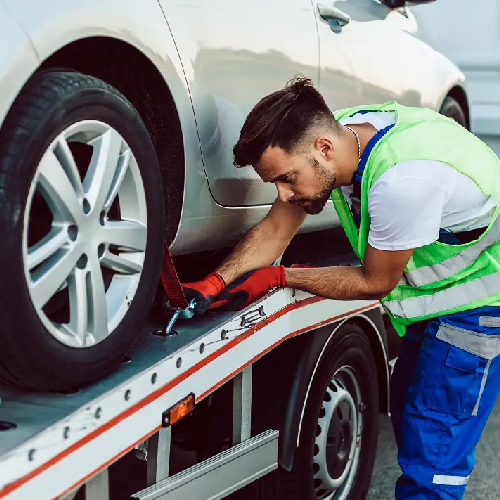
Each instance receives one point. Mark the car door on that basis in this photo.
(234, 52)
(387, 61)
(340, 84)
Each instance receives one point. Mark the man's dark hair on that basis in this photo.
(282, 119)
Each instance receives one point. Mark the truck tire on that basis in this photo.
(82, 220)
(333, 461)
(452, 109)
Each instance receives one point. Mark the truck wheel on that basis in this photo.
(338, 440)
(82, 218)
(452, 109)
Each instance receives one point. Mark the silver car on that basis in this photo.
(118, 119)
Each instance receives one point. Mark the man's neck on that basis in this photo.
(365, 132)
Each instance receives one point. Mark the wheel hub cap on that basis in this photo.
(337, 442)
(85, 233)
(339, 439)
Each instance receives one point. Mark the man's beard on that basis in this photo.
(315, 204)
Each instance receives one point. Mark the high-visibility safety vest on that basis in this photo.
(439, 278)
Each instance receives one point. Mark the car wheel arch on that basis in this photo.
(110, 59)
(459, 94)
(286, 404)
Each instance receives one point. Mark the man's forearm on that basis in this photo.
(338, 283)
(259, 248)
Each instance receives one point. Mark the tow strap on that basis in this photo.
(173, 290)
(171, 282)
(174, 293)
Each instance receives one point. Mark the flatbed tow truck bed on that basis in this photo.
(50, 444)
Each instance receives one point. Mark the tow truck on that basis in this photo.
(277, 401)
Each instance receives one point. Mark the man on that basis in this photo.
(418, 197)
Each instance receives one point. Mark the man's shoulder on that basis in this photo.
(413, 180)
(433, 170)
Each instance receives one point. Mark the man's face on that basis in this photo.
(300, 179)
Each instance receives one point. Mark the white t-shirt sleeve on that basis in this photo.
(406, 206)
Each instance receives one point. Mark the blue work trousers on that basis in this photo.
(443, 388)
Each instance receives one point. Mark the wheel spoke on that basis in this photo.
(121, 170)
(46, 247)
(98, 309)
(104, 170)
(47, 280)
(125, 234)
(120, 264)
(77, 289)
(67, 160)
(58, 190)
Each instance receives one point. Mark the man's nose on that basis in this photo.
(284, 192)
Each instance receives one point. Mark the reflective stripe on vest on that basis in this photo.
(456, 296)
(429, 274)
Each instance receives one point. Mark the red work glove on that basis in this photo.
(204, 292)
(252, 286)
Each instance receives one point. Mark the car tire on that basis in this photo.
(95, 134)
(452, 109)
(346, 366)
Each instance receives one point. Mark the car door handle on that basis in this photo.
(332, 15)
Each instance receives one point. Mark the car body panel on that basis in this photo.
(393, 65)
(234, 54)
(56, 23)
(195, 62)
(17, 63)
(441, 74)
(475, 48)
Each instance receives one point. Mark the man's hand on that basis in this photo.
(378, 276)
(204, 292)
(252, 286)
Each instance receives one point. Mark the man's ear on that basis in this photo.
(324, 144)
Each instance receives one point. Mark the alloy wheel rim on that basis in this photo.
(337, 444)
(85, 233)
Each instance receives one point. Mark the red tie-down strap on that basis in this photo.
(171, 282)
(173, 286)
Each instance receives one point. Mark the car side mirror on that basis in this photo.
(417, 2)
(394, 4)
(397, 4)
